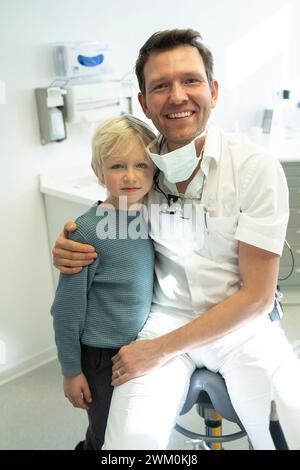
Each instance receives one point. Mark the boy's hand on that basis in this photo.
(77, 391)
(70, 256)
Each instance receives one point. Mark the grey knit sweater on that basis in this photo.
(107, 303)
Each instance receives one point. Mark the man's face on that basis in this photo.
(178, 98)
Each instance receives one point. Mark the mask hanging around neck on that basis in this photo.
(179, 164)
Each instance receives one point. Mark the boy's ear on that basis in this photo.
(101, 179)
(98, 174)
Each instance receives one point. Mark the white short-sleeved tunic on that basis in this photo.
(240, 194)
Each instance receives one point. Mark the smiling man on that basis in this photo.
(213, 290)
(178, 97)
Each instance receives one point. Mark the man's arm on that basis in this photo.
(259, 272)
(70, 256)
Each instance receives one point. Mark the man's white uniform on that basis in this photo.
(240, 194)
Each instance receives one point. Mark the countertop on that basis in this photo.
(79, 186)
(287, 150)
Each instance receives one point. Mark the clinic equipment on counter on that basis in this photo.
(96, 101)
(283, 120)
(77, 59)
(50, 106)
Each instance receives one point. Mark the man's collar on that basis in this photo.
(212, 144)
(212, 148)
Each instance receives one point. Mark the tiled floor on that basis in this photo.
(36, 416)
(34, 413)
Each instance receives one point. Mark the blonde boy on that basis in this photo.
(106, 304)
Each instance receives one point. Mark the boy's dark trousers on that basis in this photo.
(97, 368)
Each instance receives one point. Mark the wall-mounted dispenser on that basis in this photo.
(92, 102)
(76, 59)
(50, 106)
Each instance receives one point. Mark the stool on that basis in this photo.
(208, 391)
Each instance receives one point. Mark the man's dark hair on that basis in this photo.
(168, 39)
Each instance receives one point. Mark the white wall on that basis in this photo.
(27, 28)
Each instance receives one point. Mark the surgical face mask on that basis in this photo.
(179, 164)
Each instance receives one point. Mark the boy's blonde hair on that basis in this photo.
(118, 132)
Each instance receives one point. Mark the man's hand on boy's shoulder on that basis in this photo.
(70, 256)
(77, 391)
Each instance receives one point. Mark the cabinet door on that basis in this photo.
(292, 171)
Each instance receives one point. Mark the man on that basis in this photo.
(215, 284)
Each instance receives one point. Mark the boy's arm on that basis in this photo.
(77, 391)
(69, 313)
(70, 256)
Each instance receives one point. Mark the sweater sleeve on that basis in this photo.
(69, 313)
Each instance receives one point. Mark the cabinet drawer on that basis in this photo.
(291, 169)
(293, 280)
(294, 198)
(294, 220)
(286, 258)
(293, 181)
(293, 237)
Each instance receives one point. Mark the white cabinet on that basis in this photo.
(66, 197)
(292, 171)
(58, 212)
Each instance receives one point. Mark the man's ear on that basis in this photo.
(214, 93)
(142, 101)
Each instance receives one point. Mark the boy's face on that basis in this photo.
(178, 98)
(128, 173)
